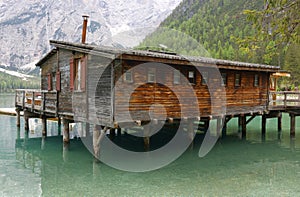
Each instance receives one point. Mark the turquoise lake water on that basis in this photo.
(255, 166)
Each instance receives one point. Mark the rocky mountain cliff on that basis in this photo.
(27, 26)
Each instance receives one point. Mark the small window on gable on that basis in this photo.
(191, 77)
(224, 79)
(176, 76)
(151, 75)
(204, 78)
(237, 80)
(128, 76)
(256, 80)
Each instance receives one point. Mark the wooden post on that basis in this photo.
(87, 129)
(119, 131)
(98, 135)
(44, 126)
(18, 118)
(244, 126)
(219, 123)
(224, 129)
(66, 137)
(59, 125)
(112, 134)
(190, 131)
(26, 118)
(206, 125)
(263, 124)
(293, 124)
(147, 129)
(279, 121)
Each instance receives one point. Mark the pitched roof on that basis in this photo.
(113, 53)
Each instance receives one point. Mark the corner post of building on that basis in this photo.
(293, 124)
(18, 117)
(66, 137)
(44, 126)
(263, 124)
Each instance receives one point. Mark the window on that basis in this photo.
(77, 73)
(176, 76)
(256, 80)
(151, 75)
(224, 79)
(128, 76)
(191, 77)
(237, 80)
(204, 78)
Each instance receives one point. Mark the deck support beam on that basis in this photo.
(66, 137)
(26, 118)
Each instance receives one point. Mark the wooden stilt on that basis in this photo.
(224, 128)
(66, 137)
(44, 126)
(26, 118)
(279, 125)
(219, 125)
(18, 118)
(206, 125)
(98, 135)
(112, 134)
(263, 124)
(119, 131)
(190, 131)
(147, 129)
(87, 129)
(244, 126)
(59, 125)
(293, 124)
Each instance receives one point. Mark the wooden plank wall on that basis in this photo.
(243, 99)
(99, 87)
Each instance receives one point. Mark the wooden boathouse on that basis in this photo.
(100, 86)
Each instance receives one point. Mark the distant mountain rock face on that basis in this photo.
(27, 26)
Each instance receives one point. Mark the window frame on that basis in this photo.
(126, 74)
(192, 80)
(205, 77)
(224, 80)
(151, 73)
(239, 78)
(176, 77)
(256, 80)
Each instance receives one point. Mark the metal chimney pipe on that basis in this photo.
(84, 27)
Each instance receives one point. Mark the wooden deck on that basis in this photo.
(285, 101)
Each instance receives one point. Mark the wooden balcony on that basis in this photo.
(284, 100)
(37, 101)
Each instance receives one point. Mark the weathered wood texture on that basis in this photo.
(136, 97)
(99, 87)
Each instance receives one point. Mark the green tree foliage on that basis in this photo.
(213, 25)
(292, 63)
(9, 83)
(276, 26)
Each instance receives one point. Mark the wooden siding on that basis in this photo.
(99, 87)
(212, 98)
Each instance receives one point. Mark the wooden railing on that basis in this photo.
(284, 100)
(37, 100)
